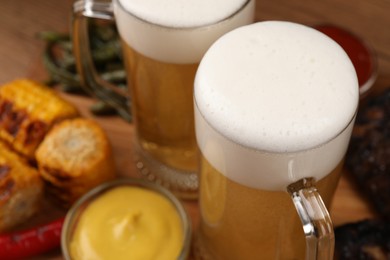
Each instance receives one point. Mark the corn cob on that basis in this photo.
(21, 189)
(74, 157)
(27, 112)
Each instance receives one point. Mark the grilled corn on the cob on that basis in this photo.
(74, 157)
(20, 189)
(27, 111)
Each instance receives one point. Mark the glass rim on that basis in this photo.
(79, 206)
(368, 84)
(200, 27)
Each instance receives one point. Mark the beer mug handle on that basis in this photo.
(91, 82)
(316, 222)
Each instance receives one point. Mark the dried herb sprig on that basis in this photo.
(106, 52)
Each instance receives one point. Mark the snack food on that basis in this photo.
(21, 189)
(26, 243)
(368, 239)
(368, 158)
(74, 157)
(27, 111)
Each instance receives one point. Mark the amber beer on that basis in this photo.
(162, 50)
(275, 102)
(163, 109)
(252, 222)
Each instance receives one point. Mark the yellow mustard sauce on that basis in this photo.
(128, 223)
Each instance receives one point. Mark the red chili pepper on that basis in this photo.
(34, 241)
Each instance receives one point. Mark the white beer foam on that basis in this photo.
(184, 13)
(281, 90)
(180, 33)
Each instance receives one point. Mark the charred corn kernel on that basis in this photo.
(21, 189)
(27, 111)
(74, 157)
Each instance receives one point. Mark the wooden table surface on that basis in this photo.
(21, 51)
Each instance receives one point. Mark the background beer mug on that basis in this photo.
(163, 42)
(275, 104)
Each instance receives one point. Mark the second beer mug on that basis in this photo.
(163, 43)
(275, 104)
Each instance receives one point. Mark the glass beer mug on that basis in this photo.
(163, 42)
(275, 104)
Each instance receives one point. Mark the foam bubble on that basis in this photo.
(283, 89)
(178, 31)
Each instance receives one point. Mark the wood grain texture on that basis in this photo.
(21, 50)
